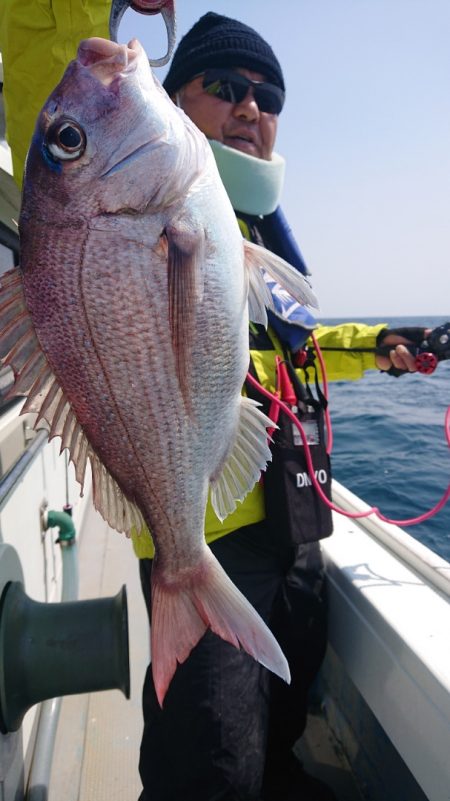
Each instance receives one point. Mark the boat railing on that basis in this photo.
(16, 474)
(428, 565)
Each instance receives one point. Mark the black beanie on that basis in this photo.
(217, 41)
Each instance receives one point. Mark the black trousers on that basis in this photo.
(227, 722)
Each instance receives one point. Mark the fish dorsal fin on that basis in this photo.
(258, 259)
(19, 346)
(34, 378)
(249, 455)
(186, 252)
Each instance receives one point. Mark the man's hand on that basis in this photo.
(399, 357)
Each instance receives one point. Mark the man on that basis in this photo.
(227, 728)
(227, 725)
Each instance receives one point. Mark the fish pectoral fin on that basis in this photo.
(259, 297)
(186, 254)
(182, 612)
(258, 259)
(248, 456)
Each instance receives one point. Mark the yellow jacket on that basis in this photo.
(38, 38)
(339, 366)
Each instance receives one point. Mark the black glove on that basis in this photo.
(416, 335)
(436, 343)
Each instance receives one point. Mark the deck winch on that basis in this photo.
(49, 650)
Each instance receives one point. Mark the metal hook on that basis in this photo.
(149, 7)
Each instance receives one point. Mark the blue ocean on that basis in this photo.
(389, 441)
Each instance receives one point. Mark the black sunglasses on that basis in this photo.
(232, 87)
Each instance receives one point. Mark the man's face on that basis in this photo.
(239, 125)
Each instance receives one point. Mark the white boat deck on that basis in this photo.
(97, 750)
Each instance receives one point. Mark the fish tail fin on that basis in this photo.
(182, 614)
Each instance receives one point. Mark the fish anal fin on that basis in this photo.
(257, 259)
(182, 612)
(109, 499)
(248, 456)
(185, 259)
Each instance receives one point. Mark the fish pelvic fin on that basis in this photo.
(257, 260)
(181, 613)
(248, 456)
(186, 248)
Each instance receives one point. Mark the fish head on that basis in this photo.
(108, 138)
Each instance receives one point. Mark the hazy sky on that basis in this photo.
(366, 136)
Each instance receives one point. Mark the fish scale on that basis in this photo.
(151, 403)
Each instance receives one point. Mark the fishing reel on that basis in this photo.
(427, 352)
(435, 348)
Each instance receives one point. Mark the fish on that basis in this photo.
(126, 327)
(164, 7)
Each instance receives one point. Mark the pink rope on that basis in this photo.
(354, 515)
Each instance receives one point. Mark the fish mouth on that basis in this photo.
(107, 60)
(110, 62)
(128, 158)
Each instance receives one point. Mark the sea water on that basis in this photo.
(389, 441)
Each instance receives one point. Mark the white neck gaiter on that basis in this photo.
(253, 185)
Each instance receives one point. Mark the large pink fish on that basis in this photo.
(127, 328)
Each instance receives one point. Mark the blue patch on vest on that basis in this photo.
(292, 322)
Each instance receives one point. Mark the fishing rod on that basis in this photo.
(428, 351)
(436, 345)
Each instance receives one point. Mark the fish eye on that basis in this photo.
(66, 141)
